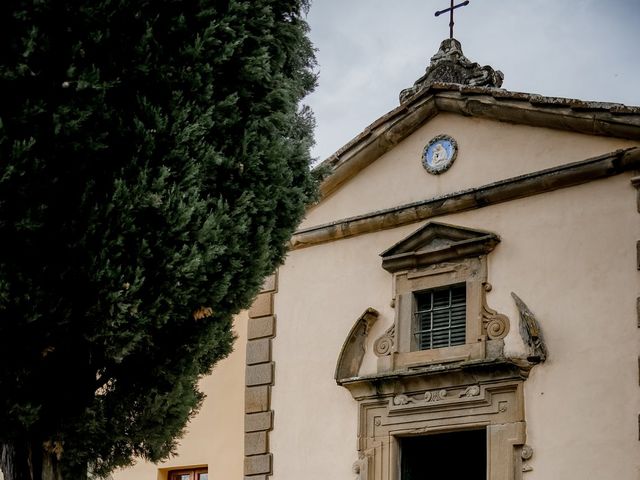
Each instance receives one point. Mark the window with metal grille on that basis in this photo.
(440, 317)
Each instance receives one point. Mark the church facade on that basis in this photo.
(463, 301)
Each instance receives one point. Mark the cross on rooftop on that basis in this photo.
(450, 10)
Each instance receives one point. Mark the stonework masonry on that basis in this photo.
(259, 378)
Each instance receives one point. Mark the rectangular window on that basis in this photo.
(189, 474)
(440, 317)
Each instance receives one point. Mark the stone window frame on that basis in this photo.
(473, 273)
(385, 417)
(439, 255)
(419, 392)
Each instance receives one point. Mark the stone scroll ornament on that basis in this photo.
(472, 391)
(383, 346)
(496, 325)
(433, 396)
(427, 397)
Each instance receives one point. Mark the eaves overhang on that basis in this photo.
(591, 118)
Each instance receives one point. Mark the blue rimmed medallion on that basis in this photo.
(439, 154)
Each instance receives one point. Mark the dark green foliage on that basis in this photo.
(153, 161)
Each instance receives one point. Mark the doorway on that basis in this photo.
(445, 455)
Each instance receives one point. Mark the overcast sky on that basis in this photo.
(369, 50)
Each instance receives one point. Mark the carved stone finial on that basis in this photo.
(531, 332)
(449, 65)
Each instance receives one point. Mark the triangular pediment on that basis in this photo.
(425, 103)
(437, 242)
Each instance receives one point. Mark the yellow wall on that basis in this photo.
(215, 436)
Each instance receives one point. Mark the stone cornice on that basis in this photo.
(437, 242)
(504, 190)
(372, 386)
(592, 118)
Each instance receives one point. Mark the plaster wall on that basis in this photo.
(488, 151)
(214, 437)
(569, 254)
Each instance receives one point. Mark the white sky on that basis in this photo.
(369, 50)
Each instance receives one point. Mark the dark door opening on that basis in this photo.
(445, 455)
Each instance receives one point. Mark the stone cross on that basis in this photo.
(450, 10)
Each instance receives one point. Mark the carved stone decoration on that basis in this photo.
(439, 154)
(472, 391)
(395, 406)
(526, 453)
(496, 325)
(361, 466)
(449, 65)
(435, 396)
(384, 345)
(402, 400)
(353, 349)
(451, 396)
(435, 243)
(531, 332)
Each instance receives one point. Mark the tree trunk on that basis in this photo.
(20, 461)
(15, 461)
(50, 467)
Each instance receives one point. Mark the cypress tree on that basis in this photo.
(154, 161)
